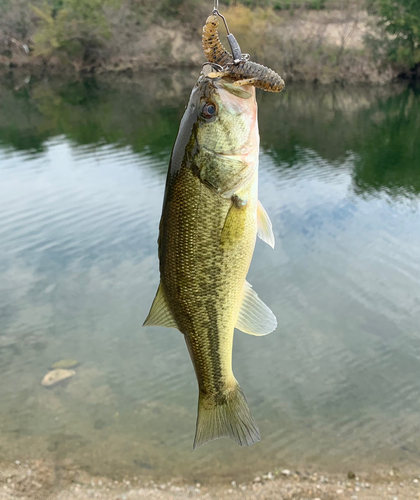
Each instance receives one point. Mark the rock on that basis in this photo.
(65, 363)
(99, 424)
(55, 376)
(285, 472)
(351, 474)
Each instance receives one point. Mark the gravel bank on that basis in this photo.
(40, 480)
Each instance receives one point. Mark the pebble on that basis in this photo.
(65, 363)
(285, 472)
(55, 376)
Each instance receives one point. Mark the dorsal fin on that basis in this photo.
(255, 317)
(265, 228)
(159, 314)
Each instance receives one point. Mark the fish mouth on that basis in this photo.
(221, 85)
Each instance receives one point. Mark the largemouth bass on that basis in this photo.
(210, 219)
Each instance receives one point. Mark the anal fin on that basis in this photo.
(159, 314)
(255, 317)
(265, 228)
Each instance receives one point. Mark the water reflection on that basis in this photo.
(82, 170)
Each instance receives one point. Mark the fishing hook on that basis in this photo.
(213, 66)
(234, 45)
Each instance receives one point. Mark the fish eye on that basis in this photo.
(209, 110)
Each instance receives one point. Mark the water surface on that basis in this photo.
(82, 173)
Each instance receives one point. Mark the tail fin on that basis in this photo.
(231, 419)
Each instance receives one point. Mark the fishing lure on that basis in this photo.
(243, 71)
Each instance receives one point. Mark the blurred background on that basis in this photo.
(310, 40)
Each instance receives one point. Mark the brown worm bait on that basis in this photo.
(244, 72)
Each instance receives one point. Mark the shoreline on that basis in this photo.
(36, 479)
(325, 46)
(39, 70)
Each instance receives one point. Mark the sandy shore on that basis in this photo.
(40, 480)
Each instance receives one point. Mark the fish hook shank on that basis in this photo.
(233, 43)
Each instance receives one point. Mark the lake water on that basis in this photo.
(335, 387)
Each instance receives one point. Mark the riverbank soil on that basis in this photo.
(36, 480)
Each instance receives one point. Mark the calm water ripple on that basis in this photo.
(81, 187)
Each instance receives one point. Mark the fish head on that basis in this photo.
(227, 117)
(218, 135)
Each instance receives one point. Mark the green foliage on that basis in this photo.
(298, 4)
(75, 28)
(401, 21)
(280, 4)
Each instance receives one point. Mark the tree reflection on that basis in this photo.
(379, 127)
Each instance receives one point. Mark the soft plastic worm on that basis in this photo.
(245, 71)
(213, 48)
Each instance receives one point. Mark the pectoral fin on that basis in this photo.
(265, 228)
(255, 317)
(159, 314)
